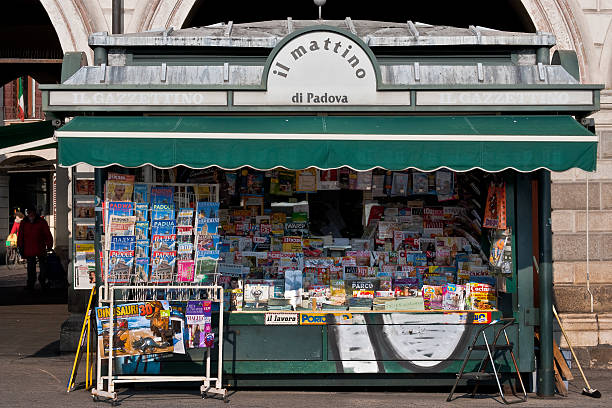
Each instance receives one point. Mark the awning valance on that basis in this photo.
(26, 136)
(491, 143)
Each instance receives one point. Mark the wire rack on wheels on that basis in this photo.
(185, 292)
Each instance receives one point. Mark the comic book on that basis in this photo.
(186, 270)
(142, 248)
(120, 264)
(162, 266)
(162, 195)
(163, 243)
(141, 229)
(139, 328)
(123, 243)
(163, 227)
(141, 211)
(141, 193)
(162, 212)
(141, 269)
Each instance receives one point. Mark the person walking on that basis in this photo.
(33, 241)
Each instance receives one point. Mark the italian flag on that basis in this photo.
(20, 101)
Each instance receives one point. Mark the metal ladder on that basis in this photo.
(490, 356)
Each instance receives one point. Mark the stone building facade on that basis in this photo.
(584, 26)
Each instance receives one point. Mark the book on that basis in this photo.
(207, 209)
(186, 270)
(123, 243)
(162, 212)
(141, 229)
(162, 266)
(141, 193)
(141, 269)
(120, 266)
(163, 243)
(141, 211)
(123, 209)
(162, 195)
(142, 248)
(184, 217)
(163, 226)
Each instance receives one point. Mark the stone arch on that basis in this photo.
(565, 19)
(153, 14)
(605, 62)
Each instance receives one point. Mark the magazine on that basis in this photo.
(120, 266)
(186, 270)
(141, 269)
(364, 180)
(141, 193)
(400, 184)
(85, 187)
(84, 232)
(163, 243)
(206, 209)
(420, 183)
(162, 212)
(162, 195)
(141, 211)
(118, 190)
(120, 226)
(184, 217)
(328, 180)
(142, 248)
(162, 266)
(123, 243)
(454, 297)
(119, 208)
(163, 227)
(139, 328)
(433, 297)
(141, 229)
(282, 183)
(206, 264)
(184, 251)
(84, 210)
(306, 181)
(198, 319)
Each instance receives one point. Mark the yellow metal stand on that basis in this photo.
(84, 337)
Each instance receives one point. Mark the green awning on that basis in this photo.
(491, 143)
(26, 136)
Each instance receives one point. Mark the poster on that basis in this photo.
(139, 328)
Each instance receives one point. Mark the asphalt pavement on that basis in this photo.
(34, 374)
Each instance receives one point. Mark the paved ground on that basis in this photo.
(32, 373)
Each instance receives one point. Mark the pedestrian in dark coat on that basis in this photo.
(33, 241)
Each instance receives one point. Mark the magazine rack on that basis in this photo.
(210, 385)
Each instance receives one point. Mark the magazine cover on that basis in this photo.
(198, 319)
(84, 210)
(206, 264)
(364, 180)
(117, 190)
(84, 232)
(208, 226)
(141, 229)
(254, 183)
(480, 296)
(142, 248)
(454, 297)
(85, 266)
(184, 250)
(184, 234)
(163, 243)
(184, 217)
(162, 266)
(141, 211)
(282, 183)
(120, 226)
(162, 195)
(257, 291)
(206, 209)
(85, 187)
(163, 227)
(230, 180)
(162, 212)
(400, 184)
(141, 269)
(123, 243)
(420, 183)
(433, 297)
(186, 270)
(141, 193)
(139, 328)
(328, 180)
(120, 265)
(293, 286)
(445, 186)
(306, 181)
(123, 209)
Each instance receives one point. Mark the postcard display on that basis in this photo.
(83, 223)
(159, 262)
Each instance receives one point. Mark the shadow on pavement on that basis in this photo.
(18, 295)
(50, 350)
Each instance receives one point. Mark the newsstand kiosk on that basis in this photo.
(365, 195)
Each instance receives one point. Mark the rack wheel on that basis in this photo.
(95, 398)
(225, 399)
(204, 395)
